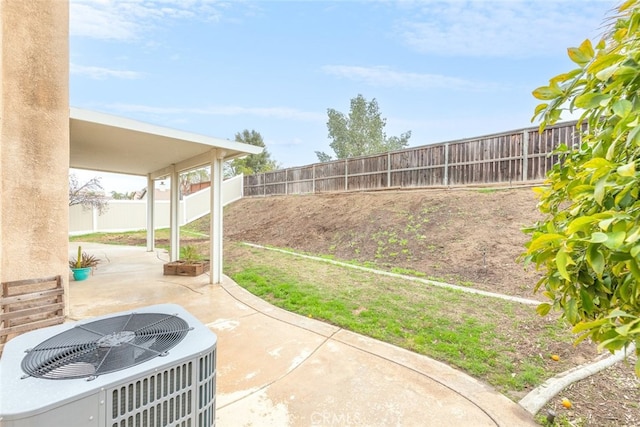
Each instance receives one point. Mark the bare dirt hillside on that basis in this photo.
(471, 237)
(458, 236)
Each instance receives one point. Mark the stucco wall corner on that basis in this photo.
(34, 139)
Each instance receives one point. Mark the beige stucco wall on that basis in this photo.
(34, 139)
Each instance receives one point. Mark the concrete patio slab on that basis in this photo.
(276, 368)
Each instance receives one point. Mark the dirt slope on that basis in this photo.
(459, 236)
(470, 237)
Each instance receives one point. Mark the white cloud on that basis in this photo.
(91, 19)
(129, 19)
(100, 73)
(227, 110)
(513, 28)
(387, 77)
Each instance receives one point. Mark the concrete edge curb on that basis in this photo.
(402, 276)
(496, 406)
(539, 396)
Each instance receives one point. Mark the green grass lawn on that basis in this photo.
(503, 343)
(481, 335)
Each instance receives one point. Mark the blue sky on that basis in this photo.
(442, 69)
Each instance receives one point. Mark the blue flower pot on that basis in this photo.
(81, 273)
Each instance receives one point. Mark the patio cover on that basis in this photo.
(107, 143)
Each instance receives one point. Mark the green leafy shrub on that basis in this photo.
(589, 240)
(190, 254)
(83, 260)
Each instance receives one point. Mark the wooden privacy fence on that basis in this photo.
(26, 305)
(515, 156)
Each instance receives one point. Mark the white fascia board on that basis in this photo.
(134, 125)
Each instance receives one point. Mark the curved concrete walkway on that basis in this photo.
(276, 368)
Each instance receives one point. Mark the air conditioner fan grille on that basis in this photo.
(104, 346)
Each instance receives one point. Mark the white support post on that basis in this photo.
(94, 220)
(174, 254)
(151, 231)
(215, 232)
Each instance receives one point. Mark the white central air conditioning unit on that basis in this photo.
(155, 366)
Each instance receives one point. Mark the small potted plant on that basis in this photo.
(191, 263)
(81, 265)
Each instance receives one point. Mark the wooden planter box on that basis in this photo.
(182, 268)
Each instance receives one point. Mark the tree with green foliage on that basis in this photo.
(361, 133)
(115, 195)
(194, 176)
(253, 163)
(589, 240)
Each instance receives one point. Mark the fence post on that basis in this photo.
(346, 175)
(264, 185)
(446, 164)
(94, 219)
(286, 182)
(388, 169)
(313, 178)
(525, 155)
(184, 211)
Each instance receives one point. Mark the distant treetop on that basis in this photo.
(361, 133)
(253, 163)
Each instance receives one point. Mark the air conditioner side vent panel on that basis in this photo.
(167, 398)
(207, 389)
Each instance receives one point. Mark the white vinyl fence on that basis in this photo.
(131, 215)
